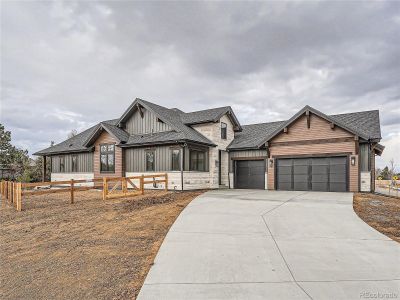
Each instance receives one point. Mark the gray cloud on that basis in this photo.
(67, 65)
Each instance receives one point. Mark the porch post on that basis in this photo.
(44, 169)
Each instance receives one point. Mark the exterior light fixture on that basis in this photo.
(271, 162)
(353, 160)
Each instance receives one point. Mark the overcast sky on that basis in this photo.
(70, 65)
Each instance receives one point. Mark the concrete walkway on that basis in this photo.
(247, 244)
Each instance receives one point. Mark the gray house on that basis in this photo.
(211, 149)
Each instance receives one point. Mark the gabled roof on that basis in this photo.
(339, 121)
(210, 115)
(120, 135)
(74, 144)
(364, 124)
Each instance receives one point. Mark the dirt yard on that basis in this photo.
(380, 212)
(92, 249)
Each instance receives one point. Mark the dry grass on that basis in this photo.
(92, 249)
(380, 212)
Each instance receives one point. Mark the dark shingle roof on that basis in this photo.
(364, 123)
(202, 116)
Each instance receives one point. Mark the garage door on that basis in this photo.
(250, 174)
(312, 174)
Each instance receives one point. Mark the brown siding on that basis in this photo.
(105, 138)
(319, 130)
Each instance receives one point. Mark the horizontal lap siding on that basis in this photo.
(319, 129)
(105, 138)
(245, 153)
(85, 162)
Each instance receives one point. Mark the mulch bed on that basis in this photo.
(91, 249)
(380, 212)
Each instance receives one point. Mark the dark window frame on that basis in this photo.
(74, 166)
(179, 160)
(194, 153)
(224, 131)
(153, 152)
(107, 153)
(62, 164)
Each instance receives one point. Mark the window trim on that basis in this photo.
(154, 160)
(107, 153)
(179, 159)
(74, 165)
(224, 130)
(191, 151)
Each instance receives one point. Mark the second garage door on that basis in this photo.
(312, 174)
(250, 174)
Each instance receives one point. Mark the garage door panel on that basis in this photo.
(250, 174)
(314, 173)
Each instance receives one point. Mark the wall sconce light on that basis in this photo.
(353, 160)
(271, 162)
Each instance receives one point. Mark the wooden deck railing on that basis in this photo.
(13, 192)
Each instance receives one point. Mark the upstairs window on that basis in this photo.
(62, 164)
(150, 161)
(107, 158)
(223, 131)
(74, 160)
(197, 160)
(175, 160)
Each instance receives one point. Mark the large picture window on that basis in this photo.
(62, 164)
(107, 158)
(74, 161)
(223, 131)
(197, 160)
(150, 161)
(175, 160)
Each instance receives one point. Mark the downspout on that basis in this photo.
(229, 169)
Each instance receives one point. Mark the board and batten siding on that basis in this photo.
(149, 123)
(85, 162)
(245, 153)
(106, 138)
(135, 158)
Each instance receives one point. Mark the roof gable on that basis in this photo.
(117, 133)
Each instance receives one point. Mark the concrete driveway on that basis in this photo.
(247, 244)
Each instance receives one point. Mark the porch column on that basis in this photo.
(44, 169)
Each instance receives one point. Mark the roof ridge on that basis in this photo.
(355, 112)
(264, 123)
(197, 111)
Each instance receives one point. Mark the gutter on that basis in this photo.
(90, 149)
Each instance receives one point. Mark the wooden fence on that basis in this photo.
(14, 192)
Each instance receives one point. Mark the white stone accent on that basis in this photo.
(266, 181)
(365, 178)
(231, 180)
(191, 180)
(213, 132)
(75, 176)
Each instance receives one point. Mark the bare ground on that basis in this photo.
(380, 212)
(92, 249)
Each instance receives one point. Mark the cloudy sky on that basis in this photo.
(70, 65)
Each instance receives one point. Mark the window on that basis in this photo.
(223, 131)
(107, 158)
(74, 161)
(150, 161)
(197, 160)
(62, 164)
(175, 160)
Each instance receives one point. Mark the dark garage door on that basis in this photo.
(328, 174)
(250, 174)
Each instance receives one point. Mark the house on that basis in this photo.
(211, 149)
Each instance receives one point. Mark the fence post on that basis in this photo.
(142, 184)
(166, 181)
(12, 192)
(124, 185)
(105, 188)
(72, 191)
(18, 191)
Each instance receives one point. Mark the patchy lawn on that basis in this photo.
(92, 249)
(380, 212)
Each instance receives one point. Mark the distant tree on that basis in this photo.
(392, 169)
(73, 133)
(385, 173)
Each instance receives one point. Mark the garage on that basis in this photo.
(250, 174)
(328, 174)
